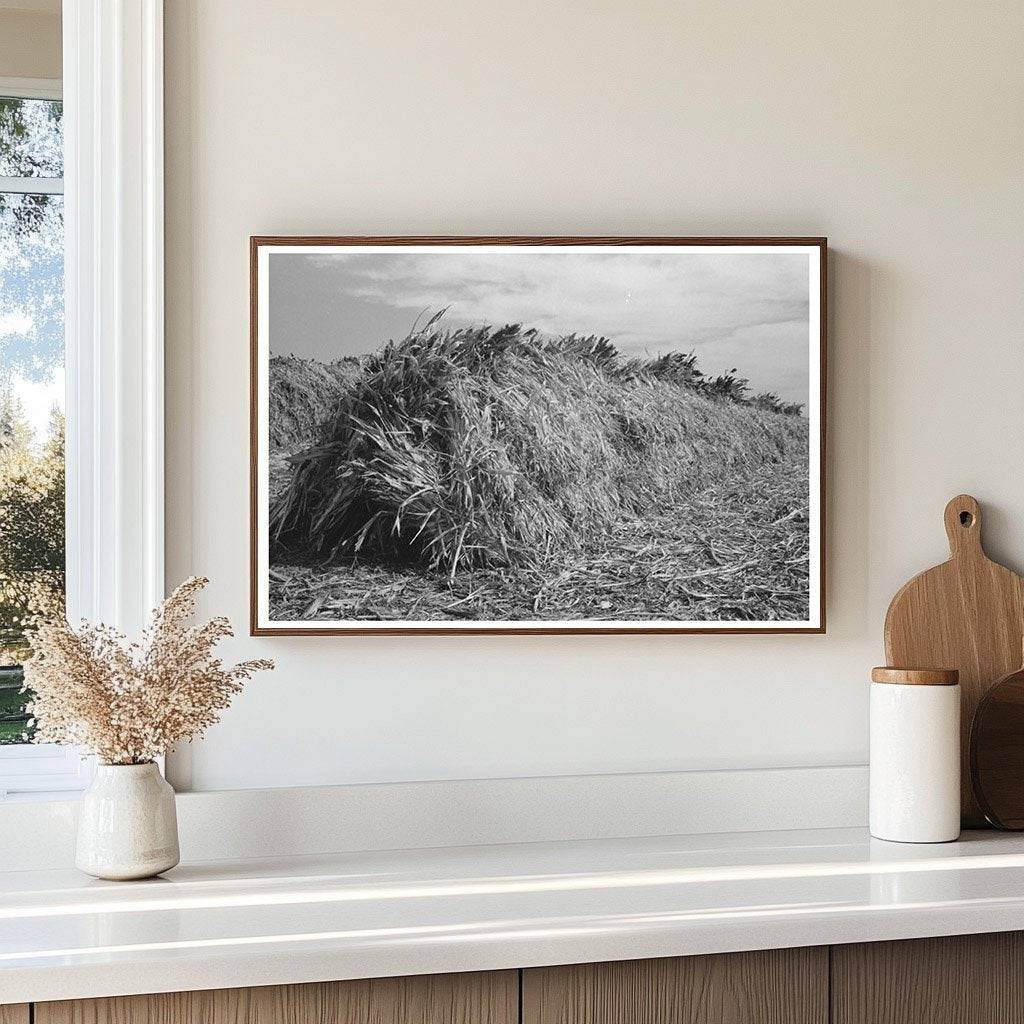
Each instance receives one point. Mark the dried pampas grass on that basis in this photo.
(129, 703)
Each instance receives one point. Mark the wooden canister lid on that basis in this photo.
(916, 676)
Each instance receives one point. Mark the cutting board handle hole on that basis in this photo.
(962, 517)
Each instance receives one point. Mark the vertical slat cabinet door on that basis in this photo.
(14, 1013)
(778, 986)
(481, 998)
(961, 979)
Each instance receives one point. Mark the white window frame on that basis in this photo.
(114, 324)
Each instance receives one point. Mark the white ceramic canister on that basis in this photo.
(915, 755)
(127, 824)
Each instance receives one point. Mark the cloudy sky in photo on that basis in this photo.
(743, 310)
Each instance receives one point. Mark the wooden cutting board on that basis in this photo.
(967, 614)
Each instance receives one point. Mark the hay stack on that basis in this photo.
(302, 393)
(490, 447)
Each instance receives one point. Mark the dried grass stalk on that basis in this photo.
(129, 703)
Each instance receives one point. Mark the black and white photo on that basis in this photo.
(537, 435)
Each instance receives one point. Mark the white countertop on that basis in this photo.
(261, 922)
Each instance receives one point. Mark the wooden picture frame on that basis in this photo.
(262, 623)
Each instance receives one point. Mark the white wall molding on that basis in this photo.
(236, 824)
(113, 104)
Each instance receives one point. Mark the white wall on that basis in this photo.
(895, 129)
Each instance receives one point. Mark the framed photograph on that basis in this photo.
(537, 435)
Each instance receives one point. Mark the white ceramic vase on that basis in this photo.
(127, 825)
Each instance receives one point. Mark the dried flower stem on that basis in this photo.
(129, 703)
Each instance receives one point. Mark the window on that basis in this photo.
(32, 513)
(81, 200)
(31, 384)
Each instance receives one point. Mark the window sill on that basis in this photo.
(44, 771)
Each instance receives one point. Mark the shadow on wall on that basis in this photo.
(854, 286)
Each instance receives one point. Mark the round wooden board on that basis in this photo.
(997, 753)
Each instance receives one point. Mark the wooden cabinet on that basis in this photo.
(778, 986)
(971, 979)
(963, 979)
(491, 998)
